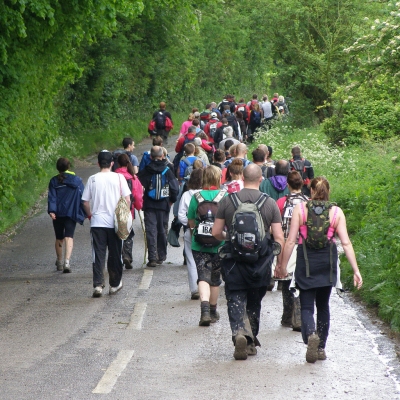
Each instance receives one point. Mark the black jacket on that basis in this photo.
(155, 167)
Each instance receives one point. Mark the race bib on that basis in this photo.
(165, 191)
(205, 228)
(288, 212)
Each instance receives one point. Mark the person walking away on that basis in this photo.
(234, 177)
(259, 158)
(242, 125)
(136, 197)
(64, 205)
(255, 121)
(245, 110)
(157, 141)
(160, 192)
(291, 305)
(241, 153)
(267, 111)
(211, 126)
(316, 262)
(100, 197)
(186, 163)
(304, 167)
(201, 214)
(228, 132)
(160, 118)
(247, 273)
(194, 185)
(186, 124)
(276, 186)
(129, 146)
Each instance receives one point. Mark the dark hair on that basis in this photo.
(224, 121)
(124, 161)
(258, 155)
(62, 165)
(239, 114)
(195, 122)
(255, 96)
(189, 148)
(282, 168)
(194, 109)
(228, 144)
(208, 105)
(269, 151)
(294, 180)
(320, 188)
(196, 179)
(126, 142)
(296, 151)
(234, 168)
(157, 141)
(219, 156)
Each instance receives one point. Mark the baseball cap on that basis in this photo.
(196, 114)
(105, 156)
(214, 115)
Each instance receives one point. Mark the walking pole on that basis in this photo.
(144, 234)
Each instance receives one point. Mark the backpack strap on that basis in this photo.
(261, 200)
(187, 162)
(199, 197)
(219, 196)
(235, 200)
(165, 171)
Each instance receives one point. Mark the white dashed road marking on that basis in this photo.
(137, 316)
(146, 279)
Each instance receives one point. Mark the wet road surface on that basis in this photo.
(57, 342)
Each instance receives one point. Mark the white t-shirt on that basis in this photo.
(267, 108)
(103, 190)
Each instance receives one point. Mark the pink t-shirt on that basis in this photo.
(185, 127)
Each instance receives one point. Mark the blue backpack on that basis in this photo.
(257, 117)
(159, 186)
(146, 160)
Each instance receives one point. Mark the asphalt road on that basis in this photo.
(57, 342)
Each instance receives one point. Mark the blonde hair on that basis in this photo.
(211, 176)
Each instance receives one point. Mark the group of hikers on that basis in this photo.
(241, 218)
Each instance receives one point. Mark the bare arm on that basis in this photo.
(341, 230)
(277, 232)
(135, 169)
(86, 207)
(128, 200)
(218, 229)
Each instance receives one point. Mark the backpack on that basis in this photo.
(206, 211)
(299, 166)
(160, 119)
(159, 186)
(267, 172)
(242, 108)
(189, 168)
(146, 160)
(233, 187)
(247, 233)
(122, 217)
(213, 129)
(257, 117)
(253, 103)
(287, 211)
(204, 117)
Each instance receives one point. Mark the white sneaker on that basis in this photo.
(67, 268)
(59, 265)
(98, 291)
(114, 290)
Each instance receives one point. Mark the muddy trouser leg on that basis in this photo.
(307, 299)
(150, 223)
(287, 298)
(253, 309)
(114, 261)
(99, 250)
(127, 248)
(238, 319)
(323, 314)
(190, 264)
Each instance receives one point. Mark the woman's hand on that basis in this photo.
(53, 216)
(358, 282)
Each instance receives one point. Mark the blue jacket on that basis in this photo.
(64, 199)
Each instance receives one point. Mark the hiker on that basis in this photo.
(234, 177)
(187, 161)
(276, 186)
(291, 305)
(157, 141)
(246, 281)
(64, 205)
(211, 126)
(161, 190)
(316, 268)
(259, 158)
(160, 117)
(267, 111)
(136, 197)
(100, 198)
(194, 185)
(228, 132)
(219, 133)
(129, 146)
(186, 124)
(304, 167)
(240, 151)
(255, 120)
(204, 246)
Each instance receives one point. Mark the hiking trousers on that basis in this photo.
(103, 239)
(244, 309)
(127, 247)
(320, 296)
(156, 224)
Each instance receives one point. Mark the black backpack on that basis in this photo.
(115, 156)
(160, 120)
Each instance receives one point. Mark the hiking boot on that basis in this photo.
(184, 260)
(114, 290)
(159, 262)
(321, 354)
(205, 318)
(152, 264)
(214, 314)
(240, 348)
(312, 348)
(127, 264)
(195, 296)
(59, 265)
(67, 268)
(251, 349)
(98, 291)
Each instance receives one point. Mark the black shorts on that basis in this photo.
(64, 227)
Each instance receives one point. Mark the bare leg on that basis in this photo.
(214, 294)
(69, 244)
(59, 249)
(205, 291)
